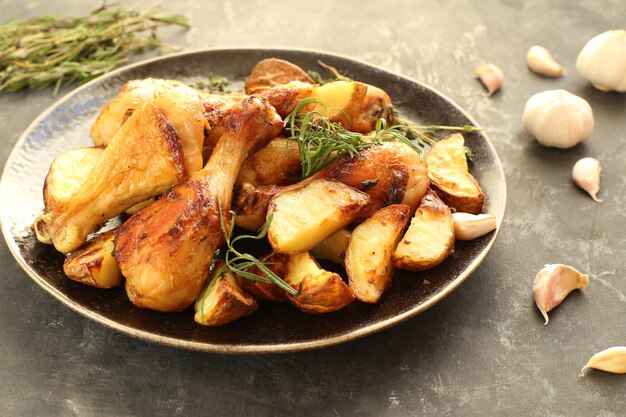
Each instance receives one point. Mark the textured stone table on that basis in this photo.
(483, 350)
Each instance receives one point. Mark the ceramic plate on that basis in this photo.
(274, 327)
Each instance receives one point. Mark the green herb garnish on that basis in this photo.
(46, 50)
(321, 141)
(237, 262)
(213, 83)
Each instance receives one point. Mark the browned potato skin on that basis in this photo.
(431, 207)
(229, 303)
(67, 172)
(304, 216)
(271, 72)
(449, 187)
(370, 274)
(93, 264)
(320, 291)
(275, 262)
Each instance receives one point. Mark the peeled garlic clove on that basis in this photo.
(558, 118)
(586, 174)
(491, 77)
(602, 61)
(609, 360)
(471, 226)
(553, 283)
(541, 61)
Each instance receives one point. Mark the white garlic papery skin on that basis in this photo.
(541, 61)
(491, 76)
(602, 61)
(471, 226)
(609, 360)
(553, 283)
(586, 174)
(558, 118)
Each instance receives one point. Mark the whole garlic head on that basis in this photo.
(558, 118)
(602, 61)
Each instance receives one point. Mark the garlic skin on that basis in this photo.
(541, 61)
(553, 283)
(491, 76)
(471, 226)
(602, 61)
(558, 118)
(609, 360)
(586, 174)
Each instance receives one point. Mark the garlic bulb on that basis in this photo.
(609, 360)
(553, 283)
(586, 174)
(558, 118)
(491, 76)
(541, 61)
(602, 61)
(471, 226)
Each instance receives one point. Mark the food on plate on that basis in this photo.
(302, 217)
(333, 248)
(223, 300)
(183, 227)
(450, 176)
(469, 226)
(319, 291)
(93, 264)
(368, 256)
(429, 238)
(317, 171)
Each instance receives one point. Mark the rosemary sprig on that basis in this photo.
(317, 77)
(237, 262)
(46, 50)
(213, 83)
(321, 141)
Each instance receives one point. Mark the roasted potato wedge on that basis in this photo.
(342, 99)
(93, 264)
(277, 263)
(450, 177)
(250, 203)
(222, 300)
(67, 173)
(333, 248)
(320, 291)
(271, 72)
(430, 237)
(278, 163)
(368, 257)
(302, 217)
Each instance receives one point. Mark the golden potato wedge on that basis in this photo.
(93, 264)
(67, 172)
(430, 237)
(271, 72)
(222, 300)
(333, 248)
(320, 291)
(342, 99)
(278, 163)
(449, 175)
(368, 257)
(304, 216)
(277, 263)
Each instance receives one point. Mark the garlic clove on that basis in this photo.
(558, 118)
(609, 360)
(586, 174)
(553, 283)
(491, 77)
(471, 226)
(541, 61)
(602, 61)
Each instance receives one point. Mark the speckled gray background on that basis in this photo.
(482, 351)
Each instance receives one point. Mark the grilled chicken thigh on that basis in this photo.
(159, 146)
(165, 251)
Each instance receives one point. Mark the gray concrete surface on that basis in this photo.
(484, 350)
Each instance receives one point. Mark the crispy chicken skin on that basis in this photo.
(165, 250)
(159, 146)
(133, 95)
